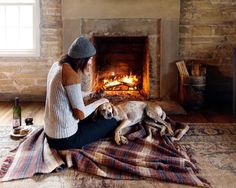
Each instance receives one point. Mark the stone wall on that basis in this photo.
(208, 35)
(26, 77)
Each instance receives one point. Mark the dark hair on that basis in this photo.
(75, 63)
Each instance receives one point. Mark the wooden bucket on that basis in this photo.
(192, 91)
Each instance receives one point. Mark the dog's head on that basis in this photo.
(106, 110)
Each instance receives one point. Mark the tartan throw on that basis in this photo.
(146, 155)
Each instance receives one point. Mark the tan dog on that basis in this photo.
(131, 112)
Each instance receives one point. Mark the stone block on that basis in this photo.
(10, 68)
(232, 39)
(41, 82)
(221, 2)
(185, 30)
(226, 30)
(213, 39)
(8, 89)
(51, 11)
(201, 30)
(6, 82)
(52, 22)
(30, 75)
(213, 17)
(3, 75)
(51, 3)
(120, 27)
(24, 82)
(51, 49)
(51, 34)
(201, 5)
(33, 90)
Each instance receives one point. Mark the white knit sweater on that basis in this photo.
(64, 102)
(59, 121)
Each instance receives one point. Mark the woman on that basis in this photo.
(67, 121)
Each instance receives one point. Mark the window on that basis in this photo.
(19, 27)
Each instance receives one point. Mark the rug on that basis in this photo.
(214, 145)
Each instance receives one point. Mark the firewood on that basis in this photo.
(195, 69)
(182, 68)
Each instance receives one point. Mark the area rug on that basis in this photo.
(214, 146)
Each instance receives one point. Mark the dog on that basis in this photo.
(132, 112)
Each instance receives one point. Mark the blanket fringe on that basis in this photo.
(190, 152)
(6, 165)
(204, 181)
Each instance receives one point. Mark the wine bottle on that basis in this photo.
(16, 114)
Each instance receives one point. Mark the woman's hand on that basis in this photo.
(103, 100)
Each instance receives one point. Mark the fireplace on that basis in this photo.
(127, 49)
(121, 64)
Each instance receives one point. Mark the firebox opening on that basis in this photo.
(121, 64)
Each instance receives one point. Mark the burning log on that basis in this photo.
(122, 83)
(112, 84)
(120, 87)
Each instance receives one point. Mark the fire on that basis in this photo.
(129, 79)
(108, 83)
(122, 83)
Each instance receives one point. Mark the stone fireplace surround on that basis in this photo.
(134, 27)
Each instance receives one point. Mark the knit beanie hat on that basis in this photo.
(81, 48)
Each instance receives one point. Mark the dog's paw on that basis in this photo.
(117, 138)
(163, 130)
(173, 139)
(124, 140)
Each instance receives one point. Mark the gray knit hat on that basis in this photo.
(81, 48)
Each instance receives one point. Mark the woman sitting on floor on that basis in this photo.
(67, 121)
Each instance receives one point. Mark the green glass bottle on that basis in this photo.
(16, 113)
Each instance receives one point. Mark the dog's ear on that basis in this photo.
(114, 110)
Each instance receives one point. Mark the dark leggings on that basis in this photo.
(88, 131)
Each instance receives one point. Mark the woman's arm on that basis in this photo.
(71, 83)
(75, 96)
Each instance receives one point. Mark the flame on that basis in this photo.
(132, 79)
(128, 81)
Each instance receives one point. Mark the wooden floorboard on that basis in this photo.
(36, 110)
(29, 109)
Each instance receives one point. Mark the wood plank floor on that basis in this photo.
(36, 110)
(206, 116)
(28, 109)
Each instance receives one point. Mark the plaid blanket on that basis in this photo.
(146, 155)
